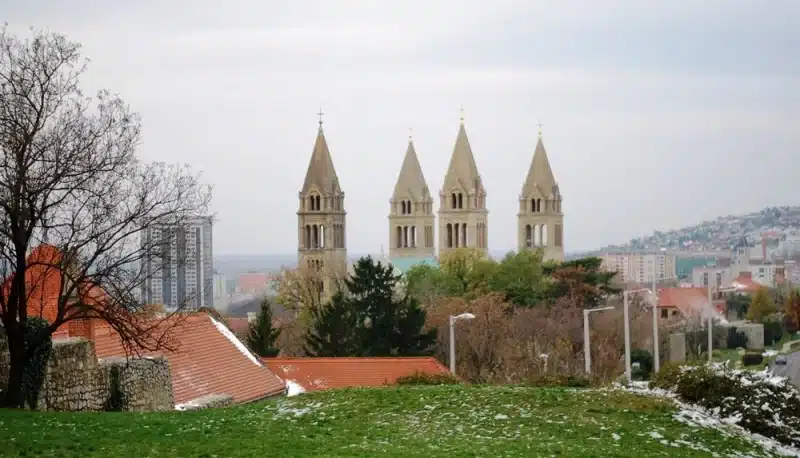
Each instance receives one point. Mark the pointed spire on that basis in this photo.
(411, 180)
(321, 172)
(462, 171)
(540, 175)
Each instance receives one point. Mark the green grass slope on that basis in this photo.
(452, 421)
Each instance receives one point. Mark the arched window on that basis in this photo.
(308, 236)
(449, 230)
(528, 236)
(456, 237)
(315, 236)
(399, 234)
(533, 205)
(538, 205)
(460, 200)
(322, 236)
(413, 231)
(318, 202)
(454, 201)
(463, 233)
(544, 234)
(537, 235)
(402, 207)
(405, 236)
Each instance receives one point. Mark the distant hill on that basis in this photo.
(721, 233)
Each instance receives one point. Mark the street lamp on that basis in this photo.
(587, 355)
(628, 330)
(453, 319)
(710, 310)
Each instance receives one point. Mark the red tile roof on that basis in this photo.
(207, 360)
(689, 301)
(253, 282)
(239, 326)
(324, 373)
(745, 283)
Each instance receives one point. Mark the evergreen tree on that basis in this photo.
(261, 335)
(761, 306)
(370, 320)
(334, 329)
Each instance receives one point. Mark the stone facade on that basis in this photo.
(76, 381)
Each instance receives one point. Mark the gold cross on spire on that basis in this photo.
(320, 114)
(462, 113)
(540, 125)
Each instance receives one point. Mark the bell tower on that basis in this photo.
(321, 215)
(540, 221)
(463, 216)
(411, 217)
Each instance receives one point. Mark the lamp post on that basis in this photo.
(453, 319)
(626, 318)
(710, 311)
(587, 355)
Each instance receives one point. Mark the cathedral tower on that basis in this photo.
(463, 216)
(411, 212)
(540, 219)
(321, 216)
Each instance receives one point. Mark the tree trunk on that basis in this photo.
(16, 350)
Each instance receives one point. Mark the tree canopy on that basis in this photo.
(79, 211)
(761, 306)
(371, 319)
(522, 278)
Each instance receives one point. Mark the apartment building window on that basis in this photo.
(705, 279)
(719, 279)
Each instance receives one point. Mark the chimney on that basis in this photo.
(251, 317)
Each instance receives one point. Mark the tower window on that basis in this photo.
(449, 235)
(454, 201)
(528, 236)
(460, 200)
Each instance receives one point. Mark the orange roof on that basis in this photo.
(44, 288)
(324, 373)
(689, 301)
(253, 282)
(208, 359)
(745, 283)
(239, 326)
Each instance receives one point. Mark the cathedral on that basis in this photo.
(463, 212)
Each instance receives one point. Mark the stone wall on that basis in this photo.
(76, 381)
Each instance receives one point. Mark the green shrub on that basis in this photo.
(667, 377)
(420, 378)
(736, 338)
(571, 381)
(752, 359)
(645, 367)
(773, 332)
(39, 346)
(743, 395)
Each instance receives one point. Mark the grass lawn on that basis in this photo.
(450, 421)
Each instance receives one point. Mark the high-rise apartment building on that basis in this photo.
(180, 274)
(640, 267)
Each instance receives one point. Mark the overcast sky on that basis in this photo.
(657, 114)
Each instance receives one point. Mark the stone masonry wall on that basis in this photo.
(76, 381)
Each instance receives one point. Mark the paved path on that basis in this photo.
(790, 370)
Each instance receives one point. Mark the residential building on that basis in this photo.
(689, 302)
(463, 217)
(411, 216)
(220, 285)
(180, 274)
(540, 221)
(640, 268)
(321, 215)
(717, 277)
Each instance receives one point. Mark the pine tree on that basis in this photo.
(370, 320)
(333, 330)
(761, 306)
(261, 334)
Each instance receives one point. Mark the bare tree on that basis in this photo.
(75, 201)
